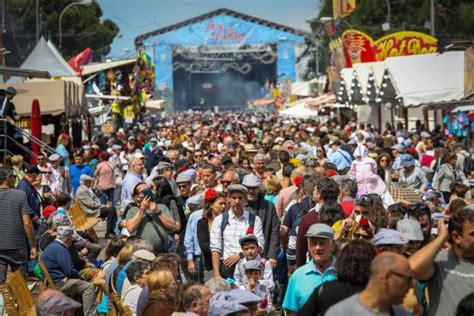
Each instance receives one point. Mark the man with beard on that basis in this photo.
(266, 211)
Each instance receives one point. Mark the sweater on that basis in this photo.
(58, 262)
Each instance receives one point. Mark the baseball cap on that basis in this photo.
(48, 210)
(321, 231)
(411, 229)
(386, 236)
(407, 161)
(251, 181)
(248, 238)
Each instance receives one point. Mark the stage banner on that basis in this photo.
(164, 75)
(286, 62)
(360, 47)
(341, 8)
(469, 72)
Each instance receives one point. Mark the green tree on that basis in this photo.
(81, 28)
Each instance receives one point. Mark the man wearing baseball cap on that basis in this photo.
(317, 271)
(412, 175)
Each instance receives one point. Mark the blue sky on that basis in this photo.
(135, 17)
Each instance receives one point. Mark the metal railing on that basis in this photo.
(8, 141)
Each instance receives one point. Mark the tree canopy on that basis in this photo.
(82, 27)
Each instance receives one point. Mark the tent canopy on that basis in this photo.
(45, 57)
(55, 97)
(299, 110)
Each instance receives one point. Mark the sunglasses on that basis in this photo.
(383, 160)
(197, 156)
(361, 236)
(364, 200)
(46, 172)
(226, 182)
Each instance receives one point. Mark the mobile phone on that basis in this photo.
(149, 193)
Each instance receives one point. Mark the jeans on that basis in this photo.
(16, 259)
(85, 289)
(107, 196)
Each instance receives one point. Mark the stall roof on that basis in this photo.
(298, 109)
(55, 97)
(425, 79)
(14, 71)
(93, 68)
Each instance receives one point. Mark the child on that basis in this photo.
(253, 273)
(250, 248)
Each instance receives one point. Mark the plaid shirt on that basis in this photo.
(404, 193)
(228, 244)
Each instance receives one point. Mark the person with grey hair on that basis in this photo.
(16, 226)
(55, 303)
(196, 300)
(217, 285)
(137, 274)
(58, 262)
(259, 161)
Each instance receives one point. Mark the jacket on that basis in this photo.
(157, 305)
(58, 261)
(34, 201)
(270, 225)
(89, 202)
(447, 175)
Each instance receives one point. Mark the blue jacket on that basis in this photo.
(58, 261)
(76, 172)
(32, 197)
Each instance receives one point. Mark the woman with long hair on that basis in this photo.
(448, 174)
(214, 205)
(162, 294)
(384, 168)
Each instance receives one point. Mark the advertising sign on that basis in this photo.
(360, 47)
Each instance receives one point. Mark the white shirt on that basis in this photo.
(228, 245)
(130, 298)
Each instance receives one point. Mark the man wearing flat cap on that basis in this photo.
(228, 228)
(317, 271)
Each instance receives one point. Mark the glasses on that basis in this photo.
(361, 236)
(364, 200)
(226, 182)
(407, 278)
(46, 172)
(197, 156)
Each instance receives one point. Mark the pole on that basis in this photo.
(432, 17)
(37, 21)
(61, 18)
(317, 60)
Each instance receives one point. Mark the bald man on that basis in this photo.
(134, 176)
(390, 279)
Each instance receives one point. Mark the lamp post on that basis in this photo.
(83, 2)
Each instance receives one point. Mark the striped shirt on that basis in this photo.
(13, 205)
(228, 244)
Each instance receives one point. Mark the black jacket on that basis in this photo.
(270, 225)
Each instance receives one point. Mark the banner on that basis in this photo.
(360, 47)
(341, 8)
(469, 72)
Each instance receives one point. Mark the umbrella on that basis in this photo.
(35, 127)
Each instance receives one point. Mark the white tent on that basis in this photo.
(299, 110)
(424, 79)
(45, 57)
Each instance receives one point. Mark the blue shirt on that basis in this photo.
(130, 180)
(62, 151)
(342, 159)
(191, 244)
(76, 172)
(303, 282)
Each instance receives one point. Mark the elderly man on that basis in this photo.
(58, 262)
(228, 228)
(413, 176)
(92, 206)
(257, 205)
(184, 182)
(319, 270)
(166, 170)
(133, 176)
(196, 300)
(230, 177)
(259, 161)
(390, 279)
(60, 180)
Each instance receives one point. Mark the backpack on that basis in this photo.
(225, 222)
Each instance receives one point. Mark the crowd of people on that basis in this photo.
(247, 214)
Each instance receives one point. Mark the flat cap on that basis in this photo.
(386, 236)
(411, 229)
(164, 165)
(65, 231)
(251, 181)
(254, 265)
(248, 238)
(54, 157)
(321, 231)
(183, 177)
(85, 177)
(116, 147)
(398, 147)
(237, 188)
(56, 304)
(143, 254)
(425, 134)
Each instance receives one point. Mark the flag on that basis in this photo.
(341, 8)
(81, 59)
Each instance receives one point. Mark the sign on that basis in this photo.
(24, 123)
(341, 8)
(360, 47)
(107, 128)
(469, 72)
(128, 114)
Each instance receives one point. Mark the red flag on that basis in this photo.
(81, 59)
